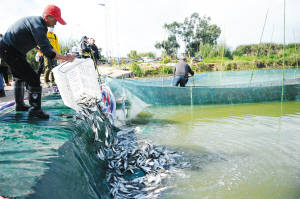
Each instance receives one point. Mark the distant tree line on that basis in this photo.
(265, 49)
(136, 56)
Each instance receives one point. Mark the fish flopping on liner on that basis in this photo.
(135, 167)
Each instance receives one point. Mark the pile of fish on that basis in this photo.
(135, 167)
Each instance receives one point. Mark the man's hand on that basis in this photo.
(68, 58)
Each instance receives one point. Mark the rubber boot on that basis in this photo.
(19, 95)
(35, 97)
(2, 93)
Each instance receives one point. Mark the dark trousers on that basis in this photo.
(19, 66)
(4, 73)
(182, 80)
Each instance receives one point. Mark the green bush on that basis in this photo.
(166, 60)
(148, 72)
(244, 58)
(166, 70)
(215, 59)
(204, 67)
(209, 50)
(291, 61)
(265, 49)
(136, 69)
(229, 66)
(122, 61)
(260, 64)
(240, 65)
(196, 68)
(235, 67)
(151, 72)
(269, 62)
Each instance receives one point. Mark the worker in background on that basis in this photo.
(181, 73)
(21, 37)
(95, 51)
(50, 63)
(84, 47)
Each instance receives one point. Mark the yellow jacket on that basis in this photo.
(53, 41)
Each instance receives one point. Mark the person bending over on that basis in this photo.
(21, 37)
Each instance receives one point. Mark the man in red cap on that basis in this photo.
(21, 37)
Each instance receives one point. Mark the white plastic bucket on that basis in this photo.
(76, 79)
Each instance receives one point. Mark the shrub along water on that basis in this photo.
(244, 57)
(136, 69)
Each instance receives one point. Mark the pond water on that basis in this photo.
(236, 151)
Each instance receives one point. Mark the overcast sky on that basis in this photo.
(124, 25)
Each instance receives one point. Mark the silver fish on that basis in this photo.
(100, 155)
(125, 154)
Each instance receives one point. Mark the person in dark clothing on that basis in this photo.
(21, 37)
(4, 69)
(85, 49)
(181, 72)
(95, 51)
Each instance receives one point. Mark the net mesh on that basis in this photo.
(214, 88)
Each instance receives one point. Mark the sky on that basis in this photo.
(124, 25)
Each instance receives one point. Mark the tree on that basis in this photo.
(169, 46)
(193, 31)
(148, 54)
(133, 55)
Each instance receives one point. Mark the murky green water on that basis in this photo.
(236, 151)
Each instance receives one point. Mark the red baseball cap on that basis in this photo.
(54, 11)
